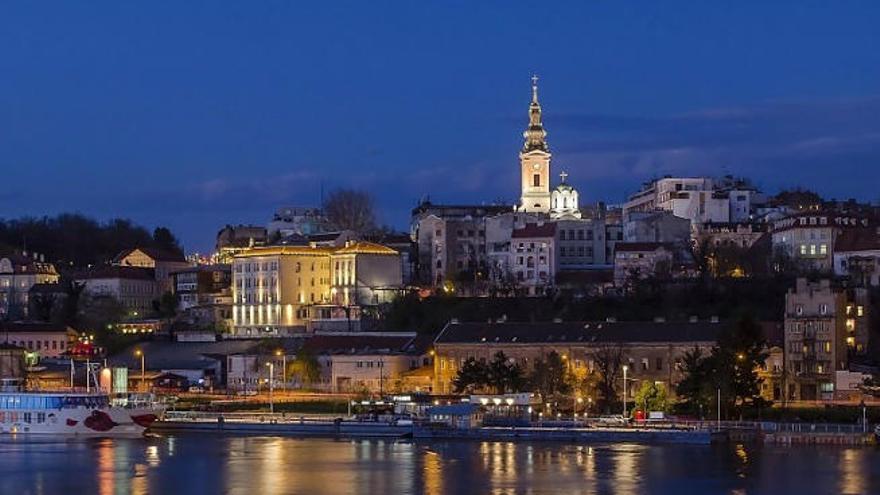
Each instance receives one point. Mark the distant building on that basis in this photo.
(693, 198)
(163, 263)
(533, 253)
(810, 237)
(634, 261)
(656, 226)
(18, 273)
(290, 220)
(815, 339)
(451, 239)
(281, 290)
(198, 285)
(351, 363)
(857, 255)
(235, 239)
(134, 287)
(652, 350)
(44, 339)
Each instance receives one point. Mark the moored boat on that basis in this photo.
(71, 413)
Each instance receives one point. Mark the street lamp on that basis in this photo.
(140, 353)
(283, 355)
(578, 400)
(271, 387)
(625, 369)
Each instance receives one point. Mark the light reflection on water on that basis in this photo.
(273, 465)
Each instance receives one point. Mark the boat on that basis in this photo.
(91, 413)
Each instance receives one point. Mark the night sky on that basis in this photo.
(198, 114)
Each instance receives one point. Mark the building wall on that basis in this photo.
(46, 344)
(371, 372)
(136, 295)
(535, 168)
(656, 362)
(815, 339)
(534, 263)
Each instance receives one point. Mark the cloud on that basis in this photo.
(777, 143)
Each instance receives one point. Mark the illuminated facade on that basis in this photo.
(535, 161)
(282, 290)
(18, 273)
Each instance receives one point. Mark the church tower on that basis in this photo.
(535, 161)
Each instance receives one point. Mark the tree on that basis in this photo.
(305, 368)
(504, 376)
(692, 388)
(166, 305)
(70, 307)
(608, 359)
(472, 376)
(43, 306)
(165, 240)
(652, 396)
(730, 369)
(551, 377)
(350, 209)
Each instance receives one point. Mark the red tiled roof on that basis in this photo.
(155, 254)
(630, 247)
(535, 230)
(126, 272)
(858, 240)
(350, 344)
(32, 327)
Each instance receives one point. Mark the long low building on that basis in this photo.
(652, 350)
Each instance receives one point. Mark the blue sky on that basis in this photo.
(198, 114)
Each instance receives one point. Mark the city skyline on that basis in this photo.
(195, 117)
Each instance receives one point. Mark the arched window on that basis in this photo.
(537, 180)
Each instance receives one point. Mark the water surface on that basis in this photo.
(196, 464)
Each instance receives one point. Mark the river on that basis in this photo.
(196, 464)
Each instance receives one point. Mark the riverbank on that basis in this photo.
(338, 428)
(333, 426)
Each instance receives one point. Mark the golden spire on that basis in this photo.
(535, 134)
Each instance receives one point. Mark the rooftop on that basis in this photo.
(635, 247)
(535, 230)
(154, 253)
(580, 332)
(19, 327)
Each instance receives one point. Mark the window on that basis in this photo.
(536, 180)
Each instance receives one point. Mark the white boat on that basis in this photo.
(78, 414)
(75, 413)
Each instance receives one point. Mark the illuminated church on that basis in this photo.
(537, 197)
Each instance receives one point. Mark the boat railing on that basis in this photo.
(265, 417)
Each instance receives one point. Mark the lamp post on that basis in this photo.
(578, 400)
(283, 355)
(271, 387)
(140, 353)
(625, 369)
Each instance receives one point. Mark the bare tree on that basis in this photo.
(609, 360)
(350, 209)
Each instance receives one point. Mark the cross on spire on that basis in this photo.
(563, 175)
(534, 88)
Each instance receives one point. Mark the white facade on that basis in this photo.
(694, 198)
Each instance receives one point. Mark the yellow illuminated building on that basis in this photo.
(277, 290)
